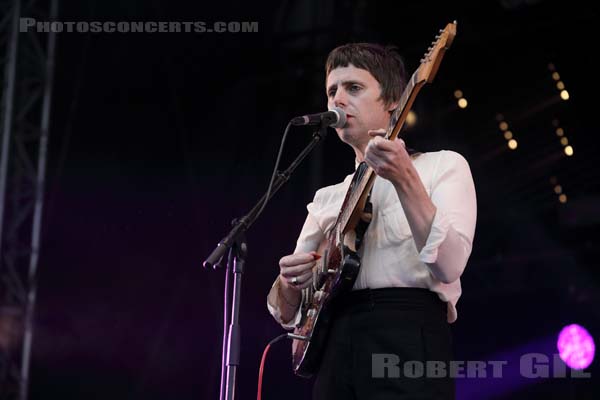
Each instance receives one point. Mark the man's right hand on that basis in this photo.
(295, 270)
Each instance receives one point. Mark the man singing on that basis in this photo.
(413, 253)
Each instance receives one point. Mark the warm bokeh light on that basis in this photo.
(555, 76)
(508, 135)
(564, 141)
(569, 151)
(462, 103)
(458, 93)
(512, 144)
(564, 95)
(558, 189)
(411, 118)
(560, 131)
(560, 85)
(562, 198)
(503, 126)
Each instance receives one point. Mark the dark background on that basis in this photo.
(159, 140)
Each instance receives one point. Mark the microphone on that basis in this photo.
(336, 117)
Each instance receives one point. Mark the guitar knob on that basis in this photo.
(311, 313)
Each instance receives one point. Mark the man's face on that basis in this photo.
(357, 92)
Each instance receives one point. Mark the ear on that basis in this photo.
(392, 106)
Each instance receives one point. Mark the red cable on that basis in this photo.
(262, 364)
(260, 372)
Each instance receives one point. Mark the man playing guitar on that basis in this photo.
(413, 253)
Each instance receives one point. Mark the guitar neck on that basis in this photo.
(350, 214)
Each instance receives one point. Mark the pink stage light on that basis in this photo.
(576, 346)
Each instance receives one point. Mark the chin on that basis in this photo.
(345, 134)
(349, 136)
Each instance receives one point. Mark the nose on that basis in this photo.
(340, 99)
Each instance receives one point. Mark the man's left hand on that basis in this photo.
(388, 158)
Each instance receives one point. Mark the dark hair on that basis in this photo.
(384, 63)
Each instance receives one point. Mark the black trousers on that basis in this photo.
(387, 344)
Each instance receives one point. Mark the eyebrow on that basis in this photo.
(345, 83)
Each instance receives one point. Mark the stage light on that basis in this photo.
(411, 118)
(576, 346)
(560, 85)
(458, 93)
(558, 189)
(569, 151)
(462, 103)
(503, 126)
(562, 198)
(512, 144)
(508, 135)
(564, 141)
(560, 131)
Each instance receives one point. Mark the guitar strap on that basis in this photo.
(363, 223)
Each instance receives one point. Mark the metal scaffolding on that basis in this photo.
(27, 59)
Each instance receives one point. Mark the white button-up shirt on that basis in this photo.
(389, 257)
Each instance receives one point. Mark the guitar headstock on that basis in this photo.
(432, 59)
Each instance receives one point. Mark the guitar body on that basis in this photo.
(339, 265)
(334, 274)
(316, 317)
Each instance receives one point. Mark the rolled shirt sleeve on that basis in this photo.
(309, 239)
(274, 305)
(450, 240)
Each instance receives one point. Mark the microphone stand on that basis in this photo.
(235, 242)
